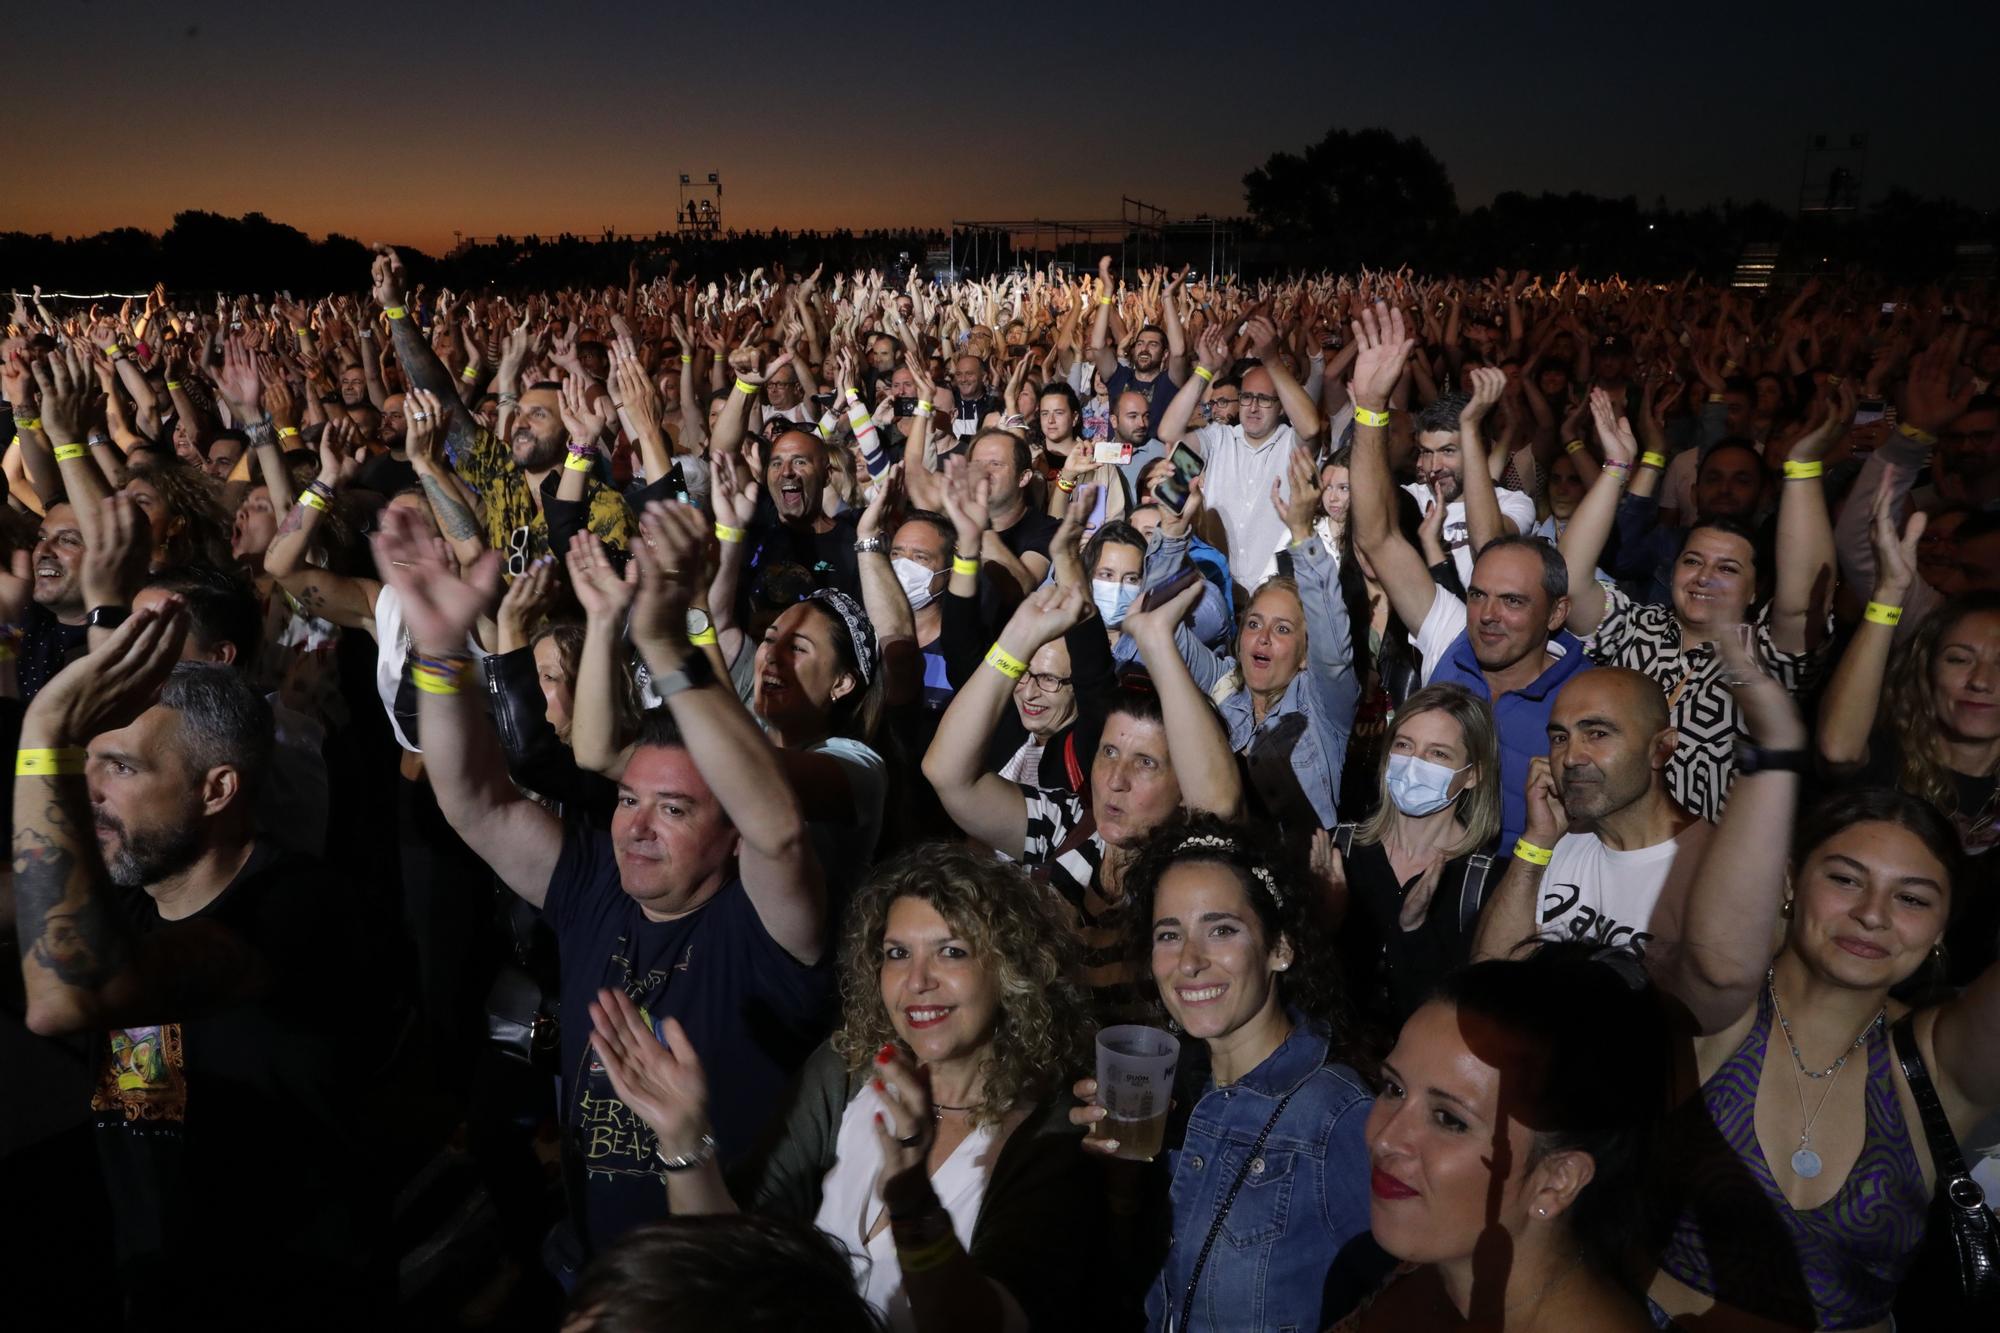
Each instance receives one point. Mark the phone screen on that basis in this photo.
(1111, 451)
(1869, 411)
(1169, 590)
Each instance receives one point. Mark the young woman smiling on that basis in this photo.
(931, 1137)
(1265, 1169)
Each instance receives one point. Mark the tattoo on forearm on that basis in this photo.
(454, 519)
(261, 433)
(64, 925)
(293, 521)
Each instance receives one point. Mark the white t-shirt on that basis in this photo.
(1633, 900)
(1457, 537)
(1236, 490)
(1443, 623)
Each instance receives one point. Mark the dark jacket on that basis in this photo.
(536, 756)
(1034, 1229)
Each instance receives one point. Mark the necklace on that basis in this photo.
(1805, 1161)
(939, 1108)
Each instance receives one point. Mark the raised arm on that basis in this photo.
(883, 598)
(1582, 543)
(1102, 354)
(775, 855)
(421, 367)
(606, 599)
(345, 600)
(1734, 899)
(1211, 355)
(1329, 639)
(1292, 396)
(1507, 921)
(987, 806)
(1804, 588)
(1203, 762)
(1170, 321)
(1853, 697)
(1384, 347)
(1483, 521)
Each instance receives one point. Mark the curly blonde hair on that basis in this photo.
(1012, 925)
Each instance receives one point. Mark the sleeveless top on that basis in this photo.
(1738, 1239)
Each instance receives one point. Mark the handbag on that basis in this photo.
(523, 1006)
(1955, 1280)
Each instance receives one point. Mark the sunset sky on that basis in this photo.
(407, 122)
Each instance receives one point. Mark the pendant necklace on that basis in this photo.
(1805, 1162)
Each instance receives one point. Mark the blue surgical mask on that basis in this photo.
(1114, 598)
(1418, 786)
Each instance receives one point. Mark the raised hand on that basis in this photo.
(905, 1128)
(1895, 554)
(1613, 432)
(1835, 413)
(583, 417)
(1046, 614)
(1547, 819)
(439, 605)
(734, 489)
(1298, 509)
(115, 682)
(115, 562)
(1769, 713)
(1929, 403)
(1383, 347)
(600, 590)
(528, 600)
(1487, 383)
(880, 505)
(1211, 349)
(390, 282)
(422, 427)
(670, 554)
(663, 1084)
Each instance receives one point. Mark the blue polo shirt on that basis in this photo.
(1520, 716)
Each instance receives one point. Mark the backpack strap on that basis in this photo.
(1343, 838)
(1472, 890)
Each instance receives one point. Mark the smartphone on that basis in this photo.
(906, 407)
(1113, 450)
(822, 401)
(1171, 589)
(1173, 491)
(1869, 411)
(1888, 307)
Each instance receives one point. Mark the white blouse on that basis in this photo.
(850, 1207)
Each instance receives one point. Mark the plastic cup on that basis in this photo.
(1135, 1083)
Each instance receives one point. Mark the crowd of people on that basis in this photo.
(715, 755)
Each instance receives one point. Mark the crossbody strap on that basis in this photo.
(1937, 1128)
(1472, 890)
(1215, 1227)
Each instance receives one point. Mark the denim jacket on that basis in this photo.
(1304, 1201)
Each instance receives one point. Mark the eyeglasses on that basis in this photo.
(1259, 400)
(1046, 682)
(517, 552)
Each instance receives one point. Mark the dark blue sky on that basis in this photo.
(412, 120)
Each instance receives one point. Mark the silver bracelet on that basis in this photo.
(703, 1154)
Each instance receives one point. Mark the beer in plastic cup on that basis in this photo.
(1135, 1082)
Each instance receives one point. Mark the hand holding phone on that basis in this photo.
(1169, 590)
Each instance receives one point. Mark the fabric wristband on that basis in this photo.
(1653, 460)
(28, 423)
(960, 565)
(440, 675)
(579, 462)
(287, 432)
(1909, 432)
(1104, 300)
(725, 533)
(686, 360)
(313, 500)
(703, 639)
(934, 1255)
(469, 374)
(49, 763)
(1205, 373)
(1002, 661)
(65, 452)
(1716, 398)
(746, 387)
(1803, 471)
(1883, 614)
(395, 312)
(1065, 485)
(1617, 467)
(173, 384)
(1533, 855)
(1364, 416)
(1573, 447)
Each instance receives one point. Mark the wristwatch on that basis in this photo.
(698, 622)
(695, 672)
(1753, 758)
(702, 1155)
(107, 616)
(866, 544)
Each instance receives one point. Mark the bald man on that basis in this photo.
(1620, 852)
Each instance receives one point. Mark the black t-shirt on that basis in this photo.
(1032, 532)
(386, 475)
(47, 646)
(753, 1012)
(828, 555)
(1391, 971)
(1159, 392)
(228, 1140)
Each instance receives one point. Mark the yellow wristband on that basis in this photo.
(1883, 615)
(173, 384)
(469, 374)
(579, 462)
(65, 452)
(287, 432)
(114, 351)
(1104, 300)
(1065, 485)
(926, 405)
(1004, 662)
(686, 360)
(1803, 471)
(28, 423)
(1909, 432)
(1533, 855)
(725, 533)
(1368, 416)
(1205, 373)
(745, 386)
(313, 500)
(303, 333)
(438, 682)
(1651, 459)
(1716, 398)
(1573, 447)
(395, 312)
(960, 565)
(703, 639)
(48, 763)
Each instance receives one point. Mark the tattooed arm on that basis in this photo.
(81, 968)
(457, 513)
(421, 367)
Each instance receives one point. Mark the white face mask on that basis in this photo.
(1114, 598)
(916, 580)
(1418, 786)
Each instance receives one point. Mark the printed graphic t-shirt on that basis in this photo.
(1632, 900)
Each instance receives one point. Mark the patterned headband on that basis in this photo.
(859, 628)
(1218, 842)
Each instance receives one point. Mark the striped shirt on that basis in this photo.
(1055, 851)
